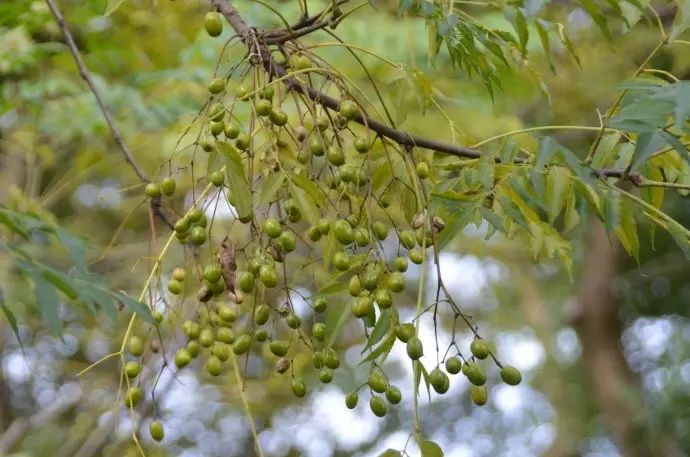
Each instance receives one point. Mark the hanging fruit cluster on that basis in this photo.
(322, 204)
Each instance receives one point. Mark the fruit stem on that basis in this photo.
(245, 404)
(416, 363)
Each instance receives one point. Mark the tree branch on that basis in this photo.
(114, 130)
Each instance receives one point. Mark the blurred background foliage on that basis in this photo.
(152, 62)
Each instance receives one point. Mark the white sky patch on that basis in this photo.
(567, 347)
(520, 349)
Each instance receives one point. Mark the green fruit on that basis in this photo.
(227, 313)
(320, 305)
(182, 358)
(405, 331)
(241, 344)
(217, 128)
(393, 395)
(175, 287)
(213, 365)
(362, 306)
(383, 298)
(511, 375)
(261, 335)
(351, 400)
(317, 359)
(316, 147)
(168, 186)
(272, 228)
(453, 365)
(313, 234)
(380, 230)
(318, 330)
(287, 241)
(267, 92)
(362, 237)
(325, 375)
(423, 170)
(221, 350)
(278, 118)
(152, 190)
(262, 314)
(195, 215)
(324, 226)
(377, 381)
(206, 144)
(193, 348)
(132, 369)
(206, 337)
(322, 122)
(480, 349)
(278, 347)
(216, 86)
(182, 225)
(135, 346)
(361, 145)
(416, 255)
(243, 141)
(246, 281)
(378, 406)
(198, 236)
(191, 329)
(446, 385)
(156, 430)
(216, 112)
(400, 264)
(133, 397)
(179, 274)
(335, 156)
(438, 379)
(424, 237)
(349, 110)
(330, 358)
(475, 374)
(268, 276)
(354, 287)
(479, 395)
(370, 279)
(242, 92)
(396, 282)
(263, 107)
(231, 131)
(343, 232)
(213, 24)
(341, 261)
(217, 178)
(407, 239)
(415, 350)
(301, 62)
(298, 388)
(293, 321)
(225, 335)
(157, 316)
(212, 273)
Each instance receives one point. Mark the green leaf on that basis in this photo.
(310, 188)
(306, 204)
(680, 237)
(647, 144)
(547, 148)
(545, 42)
(384, 347)
(135, 306)
(48, 302)
(75, 246)
(612, 210)
(237, 181)
(420, 372)
(558, 188)
(112, 6)
(61, 281)
(430, 449)
(626, 231)
(9, 315)
(380, 329)
(270, 187)
(517, 18)
(597, 16)
(682, 19)
(390, 453)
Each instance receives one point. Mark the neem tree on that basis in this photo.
(332, 198)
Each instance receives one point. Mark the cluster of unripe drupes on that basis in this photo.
(351, 224)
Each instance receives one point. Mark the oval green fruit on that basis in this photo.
(480, 349)
(217, 178)
(378, 406)
(272, 228)
(361, 145)
(437, 379)
(354, 286)
(393, 395)
(423, 170)
(299, 389)
(383, 298)
(135, 345)
(206, 337)
(191, 329)
(246, 281)
(405, 331)
(212, 273)
(216, 112)
(351, 400)
(349, 109)
(132, 369)
(453, 365)
(475, 374)
(225, 335)
(317, 359)
(362, 306)
(213, 24)
(156, 430)
(331, 358)
(193, 348)
(320, 305)
(362, 237)
(380, 230)
(268, 276)
(216, 86)
(416, 255)
(341, 261)
(198, 236)
(231, 131)
(227, 313)
(175, 287)
(479, 395)
(168, 186)
(324, 226)
(318, 330)
(293, 321)
(179, 274)
(213, 365)
(407, 239)
(243, 141)
(415, 349)
(262, 314)
(182, 358)
(278, 117)
(316, 147)
(511, 375)
(301, 62)
(400, 264)
(343, 232)
(396, 282)
(278, 347)
(152, 190)
(325, 375)
(263, 107)
(241, 344)
(377, 381)
(335, 156)
(287, 241)
(133, 397)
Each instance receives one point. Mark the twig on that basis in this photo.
(114, 130)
